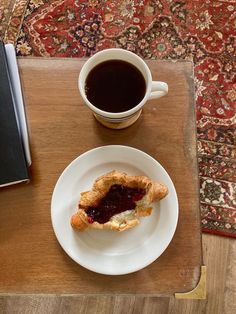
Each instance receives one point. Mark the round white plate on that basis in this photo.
(105, 251)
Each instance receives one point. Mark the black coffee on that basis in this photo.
(115, 86)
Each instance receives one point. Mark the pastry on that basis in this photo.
(116, 201)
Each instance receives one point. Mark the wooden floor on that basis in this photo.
(219, 257)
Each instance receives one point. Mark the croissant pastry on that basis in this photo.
(116, 201)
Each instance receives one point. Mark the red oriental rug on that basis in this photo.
(202, 31)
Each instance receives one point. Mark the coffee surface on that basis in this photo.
(115, 86)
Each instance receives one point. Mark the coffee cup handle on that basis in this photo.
(158, 89)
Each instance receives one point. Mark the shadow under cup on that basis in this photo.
(115, 120)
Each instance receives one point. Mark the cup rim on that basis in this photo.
(122, 114)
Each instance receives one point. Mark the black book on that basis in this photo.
(13, 165)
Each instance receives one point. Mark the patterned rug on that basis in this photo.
(202, 31)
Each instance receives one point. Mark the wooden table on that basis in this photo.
(61, 127)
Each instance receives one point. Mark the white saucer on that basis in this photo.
(104, 251)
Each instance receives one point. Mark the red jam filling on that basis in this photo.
(118, 199)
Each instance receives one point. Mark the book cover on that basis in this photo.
(13, 165)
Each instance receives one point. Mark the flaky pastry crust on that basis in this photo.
(128, 219)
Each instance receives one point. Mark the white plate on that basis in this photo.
(105, 251)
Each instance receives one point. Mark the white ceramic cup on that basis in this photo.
(118, 120)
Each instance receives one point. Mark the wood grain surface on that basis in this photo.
(61, 128)
(219, 255)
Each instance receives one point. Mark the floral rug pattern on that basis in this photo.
(202, 31)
